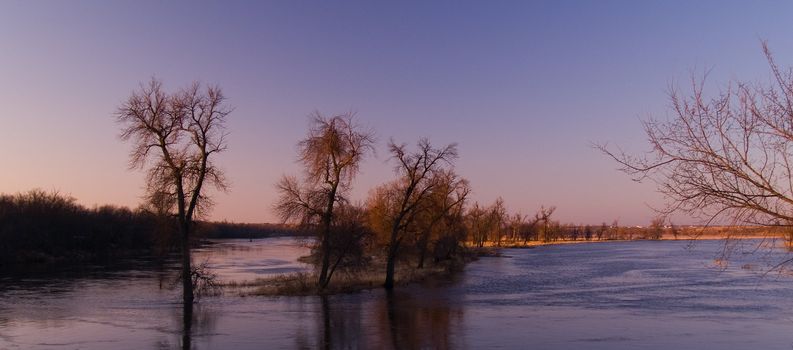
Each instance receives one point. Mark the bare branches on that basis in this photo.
(724, 155)
(176, 134)
(333, 150)
(331, 155)
(397, 204)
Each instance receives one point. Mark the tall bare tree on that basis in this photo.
(396, 205)
(729, 156)
(176, 136)
(331, 155)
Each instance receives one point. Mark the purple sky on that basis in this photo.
(523, 87)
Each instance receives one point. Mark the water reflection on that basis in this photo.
(196, 325)
(187, 325)
(412, 318)
(424, 321)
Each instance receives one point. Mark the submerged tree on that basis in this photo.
(730, 155)
(175, 136)
(331, 155)
(395, 206)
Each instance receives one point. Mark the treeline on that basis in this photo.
(492, 225)
(44, 227)
(48, 227)
(225, 230)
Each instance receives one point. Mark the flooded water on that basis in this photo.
(621, 295)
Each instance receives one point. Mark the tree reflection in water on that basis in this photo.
(425, 321)
(194, 321)
(401, 319)
(187, 325)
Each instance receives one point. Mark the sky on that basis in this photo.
(524, 87)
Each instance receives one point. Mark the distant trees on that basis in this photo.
(546, 225)
(395, 206)
(331, 156)
(675, 230)
(478, 226)
(489, 224)
(725, 156)
(175, 136)
(48, 227)
(656, 229)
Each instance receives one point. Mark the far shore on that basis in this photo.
(664, 237)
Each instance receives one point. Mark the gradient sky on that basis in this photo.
(523, 87)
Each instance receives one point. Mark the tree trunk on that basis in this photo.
(187, 325)
(325, 249)
(391, 262)
(187, 280)
(389, 270)
(423, 243)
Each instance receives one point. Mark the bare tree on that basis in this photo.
(497, 217)
(448, 196)
(674, 229)
(544, 216)
(476, 219)
(331, 155)
(399, 202)
(516, 222)
(176, 135)
(728, 156)
(656, 229)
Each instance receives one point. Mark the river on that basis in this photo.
(614, 295)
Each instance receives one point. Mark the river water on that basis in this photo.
(620, 295)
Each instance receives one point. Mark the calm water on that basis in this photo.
(622, 295)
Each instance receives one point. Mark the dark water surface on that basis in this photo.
(621, 295)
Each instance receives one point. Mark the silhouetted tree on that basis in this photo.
(331, 155)
(176, 135)
(399, 202)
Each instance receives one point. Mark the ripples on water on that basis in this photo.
(621, 295)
